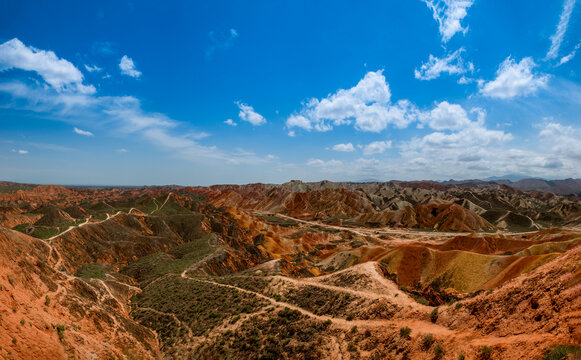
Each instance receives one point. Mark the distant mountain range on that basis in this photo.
(519, 182)
(562, 187)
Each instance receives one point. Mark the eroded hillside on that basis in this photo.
(299, 270)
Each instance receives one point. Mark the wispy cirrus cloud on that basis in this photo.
(220, 41)
(449, 15)
(559, 35)
(453, 64)
(83, 132)
(565, 59)
(93, 68)
(20, 151)
(66, 99)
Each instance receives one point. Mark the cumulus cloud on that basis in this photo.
(230, 122)
(446, 116)
(367, 105)
(376, 147)
(247, 113)
(127, 67)
(514, 79)
(60, 74)
(469, 157)
(557, 37)
(449, 14)
(564, 139)
(474, 135)
(453, 64)
(456, 130)
(82, 132)
(344, 147)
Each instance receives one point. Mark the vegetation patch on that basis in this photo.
(199, 306)
(252, 283)
(321, 301)
(93, 271)
(285, 334)
(153, 266)
(562, 352)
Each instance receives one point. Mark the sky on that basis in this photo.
(214, 92)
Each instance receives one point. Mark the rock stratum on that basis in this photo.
(325, 270)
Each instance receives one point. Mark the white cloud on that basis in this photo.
(128, 67)
(446, 116)
(567, 58)
(376, 147)
(559, 34)
(60, 74)
(247, 113)
(449, 14)
(122, 150)
(344, 147)
(20, 151)
(302, 122)
(514, 79)
(564, 139)
(220, 41)
(367, 105)
(452, 64)
(463, 133)
(121, 115)
(324, 164)
(82, 132)
(230, 122)
(93, 68)
(473, 135)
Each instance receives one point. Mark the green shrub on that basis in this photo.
(439, 351)
(458, 305)
(47, 300)
(427, 341)
(351, 347)
(60, 329)
(354, 329)
(461, 356)
(405, 332)
(485, 353)
(561, 352)
(434, 315)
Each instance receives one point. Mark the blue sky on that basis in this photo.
(177, 92)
